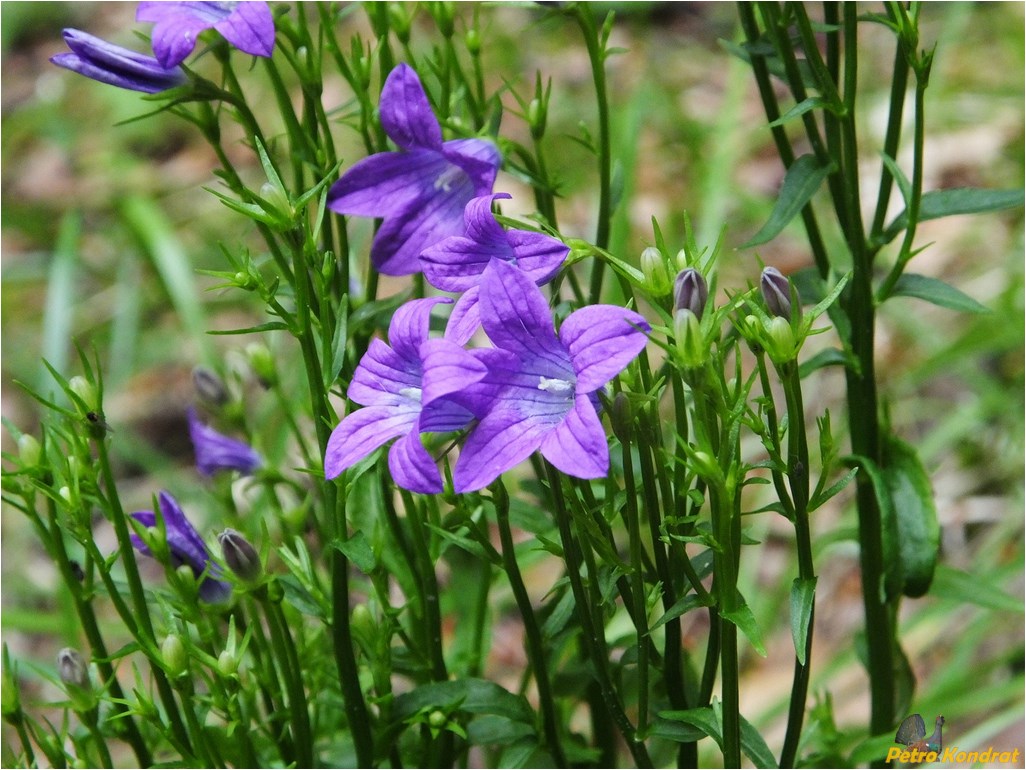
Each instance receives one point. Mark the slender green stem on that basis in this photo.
(535, 646)
(429, 587)
(591, 632)
(18, 719)
(798, 478)
(596, 54)
(291, 670)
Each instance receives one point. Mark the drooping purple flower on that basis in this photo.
(546, 396)
(420, 191)
(215, 451)
(111, 64)
(249, 26)
(458, 262)
(404, 388)
(185, 546)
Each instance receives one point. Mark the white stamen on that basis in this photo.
(554, 385)
(411, 393)
(447, 178)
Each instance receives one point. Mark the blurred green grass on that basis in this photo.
(82, 262)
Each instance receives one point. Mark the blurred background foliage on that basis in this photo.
(104, 227)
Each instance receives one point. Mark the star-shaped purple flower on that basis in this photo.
(407, 389)
(421, 190)
(249, 26)
(215, 451)
(546, 397)
(116, 66)
(458, 262)
(185, 546)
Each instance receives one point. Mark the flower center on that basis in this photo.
(413, 394)
(554, 385)
(448, 178)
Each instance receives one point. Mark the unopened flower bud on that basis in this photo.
(445, 17)
(65, 494)
(682, 260)
(690, 292)
(72, 668)
(437, 719)
(780, 340)
(277, 201)
(620, 417)
(262, 363)
(776, 291)
(209, 386)
(85, 390)
(657, 277)
(29, 451)
(473, 41)
(227, 664)
(688, 337)
(400, 21)
(537, 117)
(706, 465)
(240, 556)
(363, 625)
(176, 659)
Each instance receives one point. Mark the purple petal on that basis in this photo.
(400, 240)
(363, 431)
(446, 414)
(503, 439)
(578, 445)
(111, 64)
(412, 467)
(477, 399)
(465, 318)
(516, 316)
(479, 159)
(410, 326)
(602, 340)
(382, 376)
(250, 28)
(537, 254)
(448, 368)
(182, 538)
(456, 263)
(215, 451)
(388, 184)
(214, 591)
(406, 114)
(177, 25)
(147, 519)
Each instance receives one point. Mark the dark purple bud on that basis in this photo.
(209, 386)
(108, 63)
(240, 556)
(690, 292)
(776, 291)
(72, 668)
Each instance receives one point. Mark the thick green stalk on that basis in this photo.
(291, 670)
(535, 645)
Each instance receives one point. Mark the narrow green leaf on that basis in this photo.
(912, 499)
(812, 103)
(338, 342)
(961, 200)
(953, 584)
(803, 596)
(270, 326)
(358, 550)
(297, 596)
(683, 605)
(904, 186)
(474, 696)
(60, 295)
(802, 180)
(706, 721)
(743, 618)
(703, 719)
(754, 746)
(937, 292)
(832, 490)
(156, 236)
(824, 358)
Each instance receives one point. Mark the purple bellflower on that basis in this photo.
(421, 190)
(215, 451)
(546, 398)
(415, 385)
(249, 26)
(116, 66)
(458, 262)
(185, 546)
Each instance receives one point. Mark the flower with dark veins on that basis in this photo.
(420, 191)
(412, 385)
(458, 262)
(185, 546)
(215, 451)
(116, 66)
(546, 393)
(249, 26)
